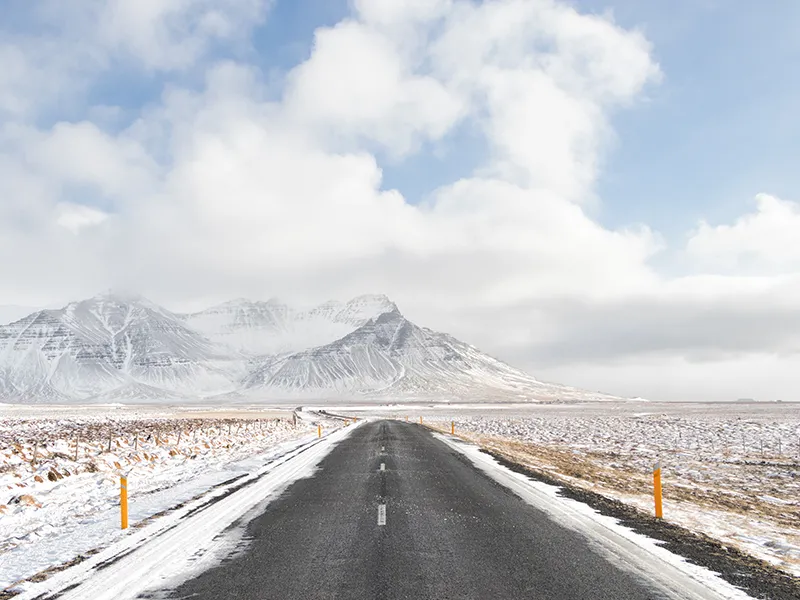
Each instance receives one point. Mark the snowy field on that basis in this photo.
(59, 475)
(730, 472)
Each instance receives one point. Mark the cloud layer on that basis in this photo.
(223, 186)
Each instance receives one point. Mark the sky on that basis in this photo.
(602, 192)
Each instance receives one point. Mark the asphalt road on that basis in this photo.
(450, 532)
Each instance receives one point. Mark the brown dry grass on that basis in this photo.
(593, 471)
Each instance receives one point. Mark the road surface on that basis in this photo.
(392, 512)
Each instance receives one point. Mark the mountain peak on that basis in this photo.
(373, 299)
(368, 306)
(390, 355)
(121, 296)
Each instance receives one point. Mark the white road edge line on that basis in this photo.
(381, 514)
(622, 546)
(137, 563)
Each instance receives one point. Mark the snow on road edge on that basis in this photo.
(139, 562)
(626, 548)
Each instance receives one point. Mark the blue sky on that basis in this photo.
(721, 126)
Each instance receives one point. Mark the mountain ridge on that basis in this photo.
(125, 348)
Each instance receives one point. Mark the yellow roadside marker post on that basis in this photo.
(657, 490)
(123, 500)
(452, 427)
(319, 430)
(420, 419)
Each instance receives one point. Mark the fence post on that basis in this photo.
(657, 490)
(123, 500)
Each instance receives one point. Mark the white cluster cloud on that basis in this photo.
(223, 191)
(766, 241)
(358, 86)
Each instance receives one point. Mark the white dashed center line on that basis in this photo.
(383, 466)
(381, 514)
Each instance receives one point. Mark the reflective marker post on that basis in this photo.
(452, 427)
(123, 500)
(319, 430)
(657, 490)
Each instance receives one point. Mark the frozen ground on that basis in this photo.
(732, 474)
(59, 477)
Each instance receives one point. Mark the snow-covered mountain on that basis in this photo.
(121, 348)
(273, 327)
(106, 344)
(390, 356)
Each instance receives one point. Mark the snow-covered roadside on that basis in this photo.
(631, 551)
(192, 537)
(58, 509)
(736, 480)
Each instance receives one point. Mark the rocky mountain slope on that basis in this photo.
(391, 356)
(107, 343)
